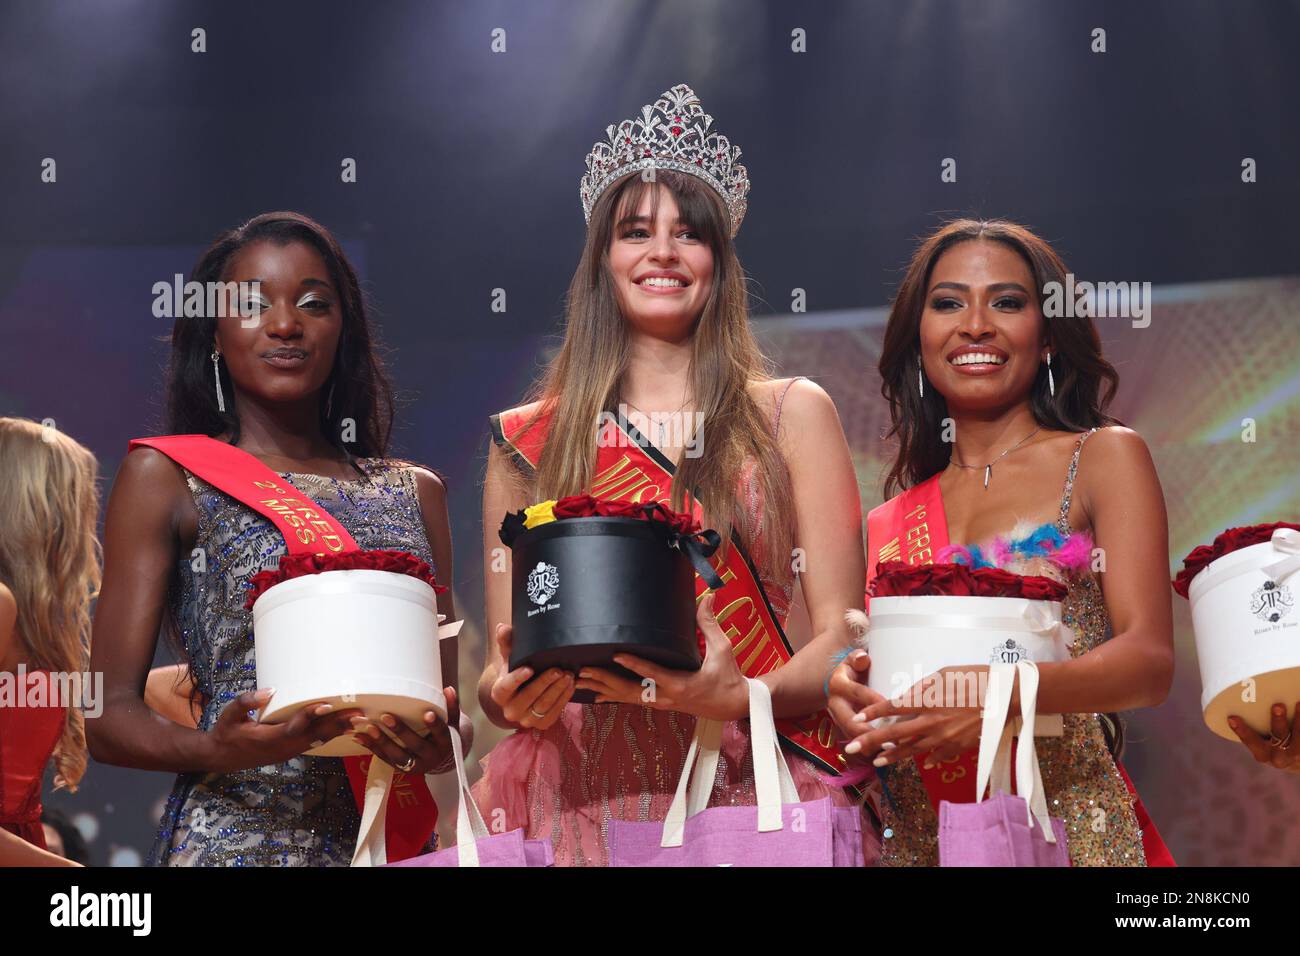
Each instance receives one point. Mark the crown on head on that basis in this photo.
(672, 133)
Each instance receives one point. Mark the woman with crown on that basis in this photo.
(1048, 484)
(657, 334)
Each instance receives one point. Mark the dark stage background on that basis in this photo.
(468, 162)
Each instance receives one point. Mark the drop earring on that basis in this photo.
(216, 375)
(920, 380)
(329, 403)
(1051, 382)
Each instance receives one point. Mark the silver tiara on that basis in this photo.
(673, 133)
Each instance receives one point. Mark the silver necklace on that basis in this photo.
(662, 441)
(988, 469)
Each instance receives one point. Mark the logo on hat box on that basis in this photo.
(1271, 601)
(543, 582)
(1008, 652)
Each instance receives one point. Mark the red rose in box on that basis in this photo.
(928, 617)
(354, 629)
(1245, 622)
(592, 578)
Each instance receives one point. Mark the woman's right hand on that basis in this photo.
(240, 742)
(535, 706)
(849, 696)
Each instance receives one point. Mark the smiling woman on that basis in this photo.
(658, 330)
(992, 400)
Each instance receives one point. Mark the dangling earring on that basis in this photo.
(920, 380)
(329, 403)
(216, 374)
(1051, 382)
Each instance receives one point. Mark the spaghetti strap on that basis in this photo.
(780, 400)
(1063, 520)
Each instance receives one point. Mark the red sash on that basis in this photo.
(307, 528)
(629, 468)
(913, 527)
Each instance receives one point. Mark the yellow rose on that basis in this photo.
(539, 513)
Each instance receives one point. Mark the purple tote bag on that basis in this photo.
(1004, 830)
(474, 845)
(779, 831)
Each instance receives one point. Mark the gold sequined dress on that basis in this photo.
(1083, 783)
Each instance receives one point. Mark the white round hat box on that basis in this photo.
(1247, 630)
(355, 639)
(910, 638)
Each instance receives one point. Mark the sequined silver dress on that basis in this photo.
(301, 812)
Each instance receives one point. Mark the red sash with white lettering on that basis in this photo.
(307, 528)
(629, 468)
(913, 527)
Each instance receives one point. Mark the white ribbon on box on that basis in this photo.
(1230, 661)
(918, 636)
(372, 847)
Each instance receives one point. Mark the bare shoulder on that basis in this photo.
(149, 471)
(429, 484)
(1116, 471)
(1116, 446)
(800, 402)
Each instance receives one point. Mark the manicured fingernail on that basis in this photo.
(388, 720)
(323, 709)
(860, 718)
(430, 717)
(888, 745)
(1279, 711)
(853, 747)
(357, 722)
(374, 733)
(880, 762)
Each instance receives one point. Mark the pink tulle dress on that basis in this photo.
(602, 762)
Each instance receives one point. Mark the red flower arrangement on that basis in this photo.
(1234, 539)
(898, 579)
(586, 506)
(297, 565)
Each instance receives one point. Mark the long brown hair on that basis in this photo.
(50, 559)
(584, 378)
(1085, 381)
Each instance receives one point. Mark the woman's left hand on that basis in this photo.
(405, 750)
(717, 690)
(938, 719)
(1279, 749)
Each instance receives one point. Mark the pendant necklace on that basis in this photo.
(988, 469)
(662, 441)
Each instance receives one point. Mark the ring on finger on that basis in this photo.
(536, 714)
(1273, 741)
(407, 765)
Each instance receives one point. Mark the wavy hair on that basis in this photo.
(1085, 381)
(50, 558)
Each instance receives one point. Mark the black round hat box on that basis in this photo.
(585, 589)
